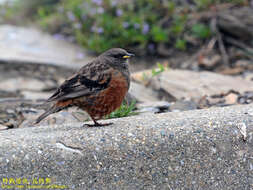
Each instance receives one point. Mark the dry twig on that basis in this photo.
(221, 45)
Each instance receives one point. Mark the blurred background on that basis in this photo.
(43, 42)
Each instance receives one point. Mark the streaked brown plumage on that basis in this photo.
(98, 87)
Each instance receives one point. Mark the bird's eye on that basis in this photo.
(118, 55)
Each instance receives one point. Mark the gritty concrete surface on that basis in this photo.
(203, 149)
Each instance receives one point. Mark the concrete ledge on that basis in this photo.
(203, 149)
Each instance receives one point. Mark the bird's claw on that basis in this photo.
(97, 124)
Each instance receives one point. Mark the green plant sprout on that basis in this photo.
(160, 68)
(125, 110)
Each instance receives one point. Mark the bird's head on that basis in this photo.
(117, 56)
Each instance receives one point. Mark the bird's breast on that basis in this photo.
(109, 99)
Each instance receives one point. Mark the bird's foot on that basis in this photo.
(97, 124)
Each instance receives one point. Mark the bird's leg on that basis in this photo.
(96, 124)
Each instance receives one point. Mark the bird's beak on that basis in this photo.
(128, 55)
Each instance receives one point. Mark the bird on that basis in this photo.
(98, 88)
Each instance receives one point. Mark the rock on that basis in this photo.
(142, 93)
(35, 95)
(208, 101)
(209, 61)
(21, 83)
(155, 107)
(232, 71)
(247, 76)
(190, 84)
(150, 109)
(31, 45)
(231, 98)
(66, 116)
(3, 127)
(183, 106)
(201, 149)
(129, 99)
(144, 76)
(246, 98)
(7, 94)
(24, 88)
(2, 2)
(9, 115)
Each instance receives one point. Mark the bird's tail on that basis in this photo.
(51, 110)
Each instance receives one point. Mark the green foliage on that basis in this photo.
(201, 31)
(178, 24)
(159, 34)
(124, 111)
(160, 68)
(30, 8)
(146, 76)
(180, 44)
(139, 24)
(203, 3)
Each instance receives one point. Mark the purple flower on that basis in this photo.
(114, 3)
(145, 28)
(136, 25)
(119, 12)
(77, 26)
(80, 55)
(151, 47)
(97, 2)
(58, 36)
(100, 10)
(100, 30)
(125, 24)
(71, 16)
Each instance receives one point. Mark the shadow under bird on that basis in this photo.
(98, 88)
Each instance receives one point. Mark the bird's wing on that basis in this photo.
(91, 79)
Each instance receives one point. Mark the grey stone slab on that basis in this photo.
(203, 149)
(190, 84)
(25, 44)
(142, 93)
